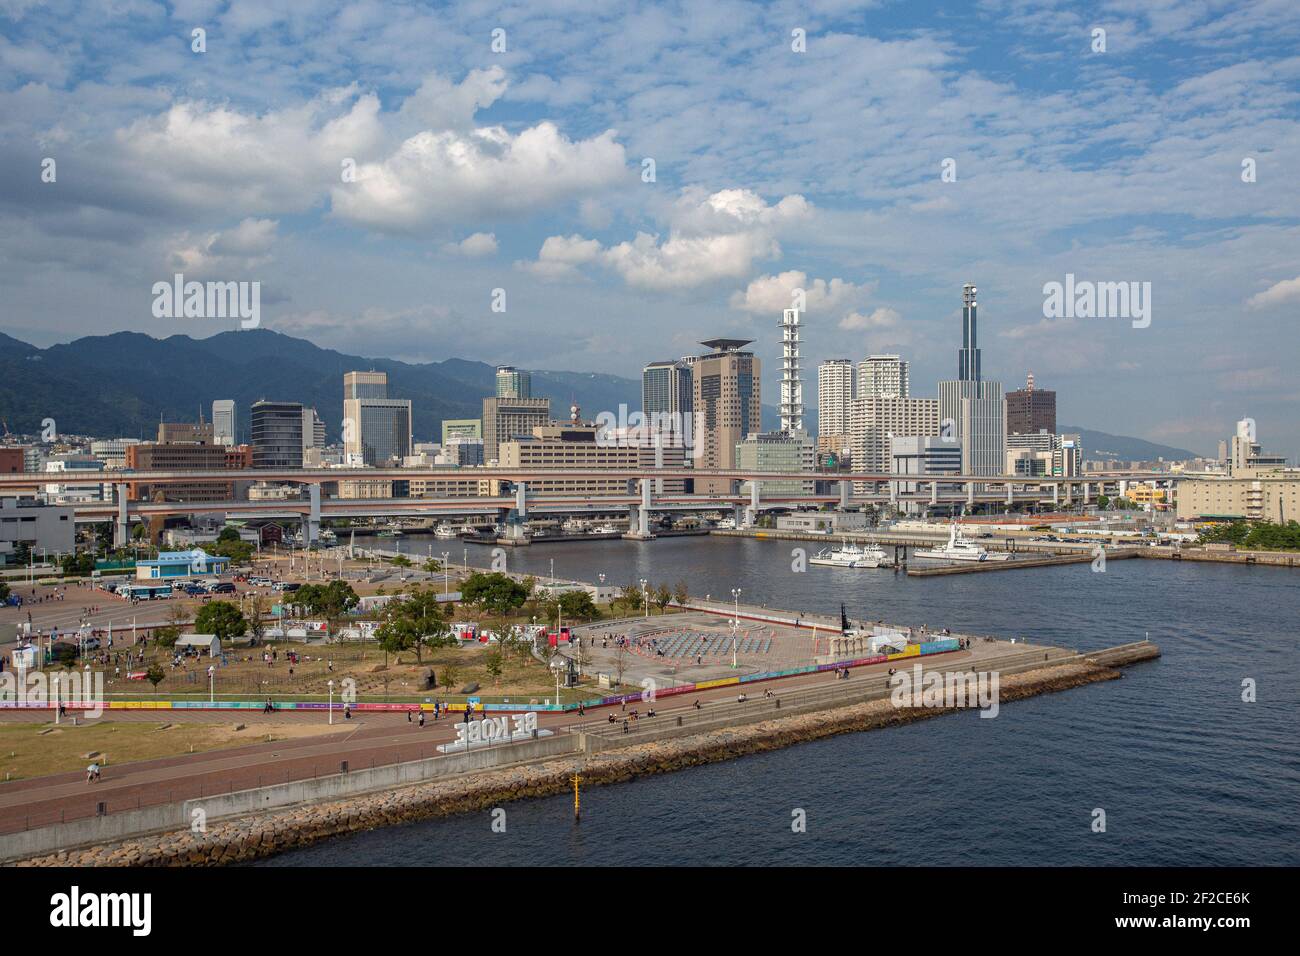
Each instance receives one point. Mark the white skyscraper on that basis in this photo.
(791, 381)
(883, 376)
(835, 393)
(223, 421)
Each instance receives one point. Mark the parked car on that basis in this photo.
(286, 586)
(224, 588)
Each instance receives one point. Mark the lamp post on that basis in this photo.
(212, 683)
(331, 706)
(645, 593)
(735, 624)
(446, 572)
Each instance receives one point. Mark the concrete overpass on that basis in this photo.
(311, 509)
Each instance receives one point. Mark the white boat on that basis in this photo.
(604, 529)
(726, 524)
(327, 535)
(574, 526)
(851, 556)
(444, 531)
(959, 548)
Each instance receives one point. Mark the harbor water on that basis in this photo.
(1185, 771)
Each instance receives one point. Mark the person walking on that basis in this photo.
(421, 718)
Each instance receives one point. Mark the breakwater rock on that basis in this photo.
(248, 838)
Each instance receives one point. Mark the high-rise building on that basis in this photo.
(666, 391)
(727, 400)
(223, 421)
(461, 428)
(513, 383)
(506, 418)
(570, 445)
(835, 394)
(883, 376)
(1031, 410)
(365, 385)
(875, 422)
(791, 374)
(277, 434)
(973, 412)
(376, 428)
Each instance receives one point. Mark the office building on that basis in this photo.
(80, 479)
(571, 445)
(112, 451)
(777, 451)
(377, 431)
(513, 383)
(277, 434)
(918, 460)
(178, 456)
(1031, 410)
(835, 393)
(971, 410)
(365, 385)
(873, 424)
(666, 390)
(1044, 454)
(883, 376)
(461, 428)
(507, 418)
(462, 452)
(223, 422)
(727, 401)
(169, 432)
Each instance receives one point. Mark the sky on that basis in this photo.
(542, 185)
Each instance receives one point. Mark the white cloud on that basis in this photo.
(712, 236)
(877, 320)
(436, 177)
(246, 246)
(775, 293)
(560, 255)
(1288, 290)
(473, 246)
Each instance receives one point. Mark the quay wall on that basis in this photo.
(270, 831)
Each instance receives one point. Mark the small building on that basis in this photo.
(181, 564)
(200, 642)
(824, 522)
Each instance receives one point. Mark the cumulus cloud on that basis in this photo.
(473, 246)
(438, 176)
(246, 246)
(775, 293)
(561, 255)
(711, 237)
(1288, 290)
(875, 321)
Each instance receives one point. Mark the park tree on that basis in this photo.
(496, 665)
(257, 609)
(577, 606)
(221, 618)
(416, 621)
(331, 601)
(4, 592)
(681, 593)
(401, 561)
(662, 597)
(495, 593)
(449, 675)
(631, 597)
(155, 675)
(166, 636)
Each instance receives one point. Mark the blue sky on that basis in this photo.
(774, 169)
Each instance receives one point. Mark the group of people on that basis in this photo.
(841, 673)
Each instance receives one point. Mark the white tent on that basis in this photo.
(204, 642)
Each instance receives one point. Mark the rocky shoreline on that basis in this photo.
(249, 838)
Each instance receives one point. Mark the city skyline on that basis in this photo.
(222, 165)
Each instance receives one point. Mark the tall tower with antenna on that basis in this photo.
(791, 382)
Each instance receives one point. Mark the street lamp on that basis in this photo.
(446, 572)
(646, 594)
(735, 624)
(212, 683)
(331, 708)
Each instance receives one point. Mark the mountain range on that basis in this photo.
(122, 385)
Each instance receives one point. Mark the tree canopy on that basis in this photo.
(495, 593)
